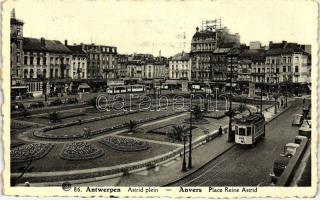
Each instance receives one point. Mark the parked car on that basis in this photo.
(17, 106)
(305, 129)
(38, 104)
(299, 138)
(56, 102)
(290, 149)
(72, 100)
(297, 120)
(279, 165)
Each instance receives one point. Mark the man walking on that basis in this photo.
(220, 131)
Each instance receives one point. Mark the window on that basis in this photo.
(277, 70)
(38, 60)
(44, 61)
(289, 59)
(31, 60)
(248, 131)
(242, 131)
(25, 60)
(289, 69)
(284, 68)
(296, 69)
(284, 59)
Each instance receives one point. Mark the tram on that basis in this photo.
(250, 129)
(122, 89)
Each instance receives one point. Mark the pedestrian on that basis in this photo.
(278, 104)
(220, 131)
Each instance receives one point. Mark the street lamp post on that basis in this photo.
(230, 138)
(184, 165)
(190, 133)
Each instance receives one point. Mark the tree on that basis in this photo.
(198, 113)
(177, 133)
(54, 117)
(132, 125)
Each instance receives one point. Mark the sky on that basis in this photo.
(151, 26)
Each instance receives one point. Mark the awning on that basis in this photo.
(233, 84)
(83, 86)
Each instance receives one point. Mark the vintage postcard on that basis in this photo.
(173, 98)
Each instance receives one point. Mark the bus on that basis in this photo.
(250, 129)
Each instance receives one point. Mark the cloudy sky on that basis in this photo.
(150, 26)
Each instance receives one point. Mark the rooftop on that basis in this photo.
(34, 44)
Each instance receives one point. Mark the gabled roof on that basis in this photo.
(34, 44)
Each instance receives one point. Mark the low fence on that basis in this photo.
(288, 174)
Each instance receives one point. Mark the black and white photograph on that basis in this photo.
(211, 97)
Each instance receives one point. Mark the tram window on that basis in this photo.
(248, 131)
(242, 131)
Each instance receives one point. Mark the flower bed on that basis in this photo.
(30, 152)
(125, 144)
(80, 151)
(47, 135)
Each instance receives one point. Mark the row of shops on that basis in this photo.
(55, 87)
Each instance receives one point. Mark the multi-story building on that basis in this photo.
(46, 65)
(288, 62)
(78, 62)
(145, 66)
(122, 64)
(203, 45)
(16, 58)
(180, 66)
(101, 61)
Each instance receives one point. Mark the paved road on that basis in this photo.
(248, 166)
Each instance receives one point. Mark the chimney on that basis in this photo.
(160, 53)
(43, 41)
(66, 42)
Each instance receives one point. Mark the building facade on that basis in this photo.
(78, 62)
(46, 65)
(180, 66)
(101, 61)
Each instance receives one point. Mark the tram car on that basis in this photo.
(122, 89)
(250, 129)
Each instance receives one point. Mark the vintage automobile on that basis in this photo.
(305, 129)
(290, 149)
(297, 120)
(279, 165)
(56, 102)
(299, 138)
(38, 104)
